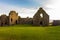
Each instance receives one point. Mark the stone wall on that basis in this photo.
(25, 21)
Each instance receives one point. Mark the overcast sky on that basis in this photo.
(29, 7)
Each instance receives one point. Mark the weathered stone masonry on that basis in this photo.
(40, 18)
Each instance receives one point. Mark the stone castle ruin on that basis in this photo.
(41, 18)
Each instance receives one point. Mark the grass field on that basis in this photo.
(28, 32)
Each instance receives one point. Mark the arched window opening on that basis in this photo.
(16, 21)
(41, 23)
(1, 24)
(41, 15)
(11, 19)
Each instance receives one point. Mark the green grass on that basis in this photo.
(29, 32)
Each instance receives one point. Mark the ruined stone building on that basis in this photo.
(56, 22)
(40, 18)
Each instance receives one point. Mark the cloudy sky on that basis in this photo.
(29, 7)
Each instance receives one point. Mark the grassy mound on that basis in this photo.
(28, 32)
